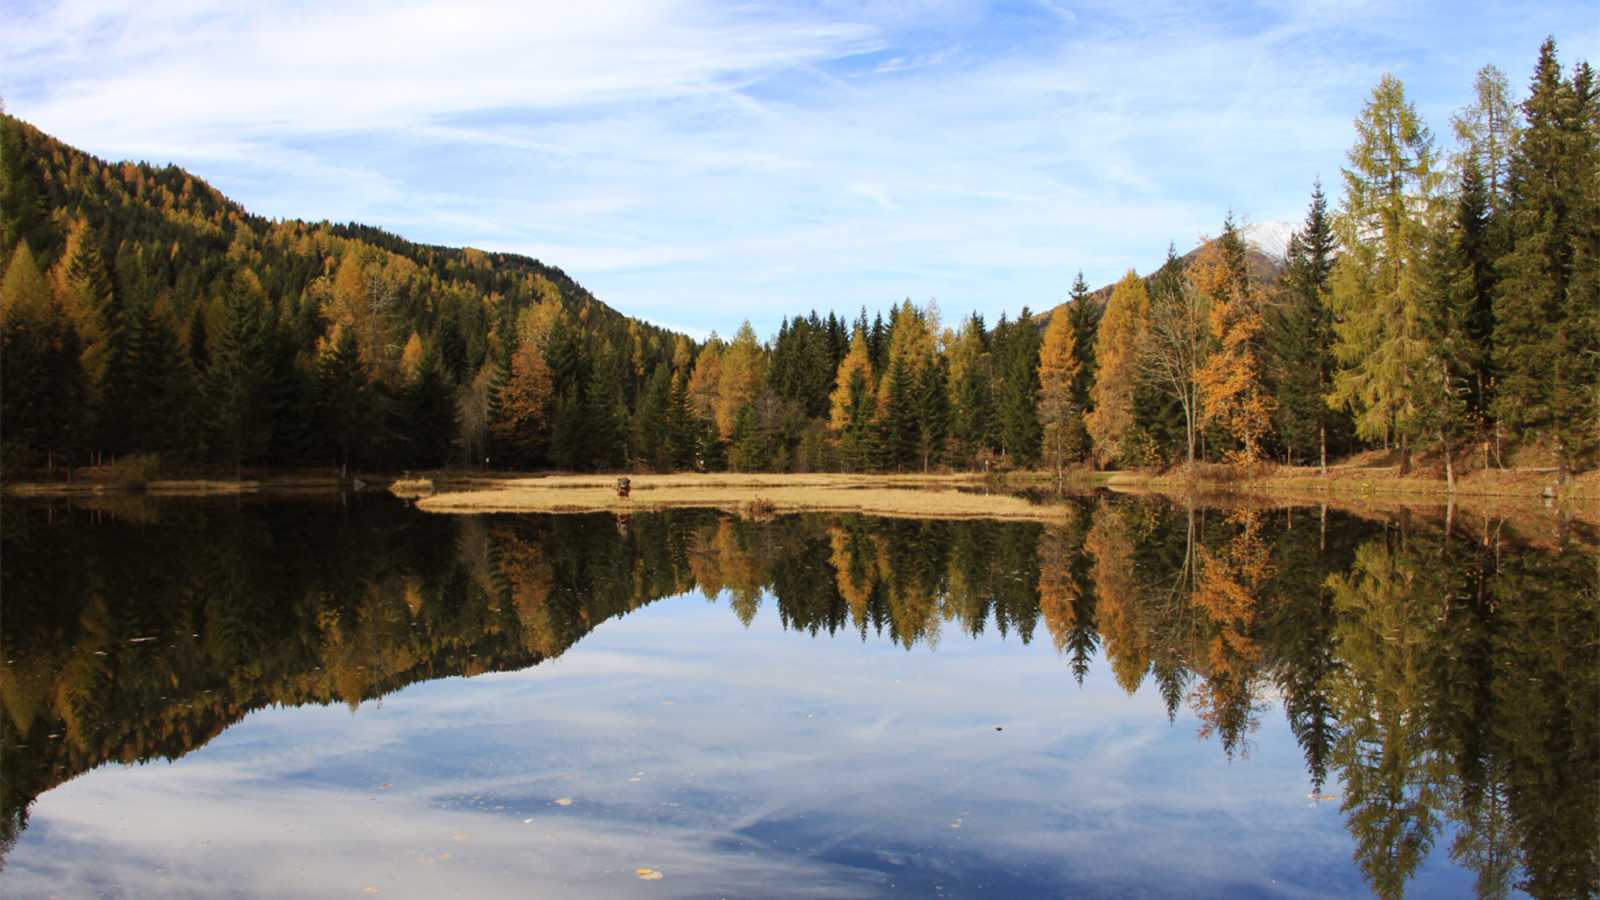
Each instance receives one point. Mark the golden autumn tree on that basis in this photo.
(1117, 592)
(1058, 413)
(911, 343)
(1117, 348)
(524, 403)
(1233, 392)
(706, 380)
(1229, 592)
(1058, 588)
(854, 370)
(743, 368)
(411, 359)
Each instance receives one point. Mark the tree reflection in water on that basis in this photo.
(1430, 676)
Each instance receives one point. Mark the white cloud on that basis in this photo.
(687, 160)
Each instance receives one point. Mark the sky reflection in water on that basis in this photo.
(737, 759)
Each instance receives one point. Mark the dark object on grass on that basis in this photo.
(623, 487)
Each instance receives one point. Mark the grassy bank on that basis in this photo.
(915, 496)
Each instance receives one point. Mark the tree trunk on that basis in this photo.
(1322, 442)
(1405, 455)
(1449, 468)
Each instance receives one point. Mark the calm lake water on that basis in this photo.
(325, 699)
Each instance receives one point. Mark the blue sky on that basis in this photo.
(699, 163)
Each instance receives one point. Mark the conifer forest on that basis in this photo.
(1441, 298)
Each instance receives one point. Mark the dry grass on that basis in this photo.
(192, 487)
(908, 496)
(411, 488)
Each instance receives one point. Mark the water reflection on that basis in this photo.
(1441, 687)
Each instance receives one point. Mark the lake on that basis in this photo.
(347, 698)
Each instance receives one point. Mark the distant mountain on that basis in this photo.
(1270, 238)
(1266, 249)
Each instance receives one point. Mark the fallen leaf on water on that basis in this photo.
(527, 821)
(648, 874)
(444, 856)
(369, 889)
(140, 640)
(460, 836)
(956, 824)
(385, 786)
(561, 801)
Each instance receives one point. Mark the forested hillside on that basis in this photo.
(1446, 301)
(145, 312)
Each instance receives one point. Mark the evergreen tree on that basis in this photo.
(1545, 341)
(238, 381)
(1301, 336)
(933, 413)
(348, 410)
(681, 425)
(429, 412)
(653, 438)
(898, 426)
(1017, 391)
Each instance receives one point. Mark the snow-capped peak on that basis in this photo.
(1271, 238)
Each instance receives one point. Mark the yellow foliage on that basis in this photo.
(1117, 346)
(706, 380)
(856, 362)
(411, 359)
(743, 367)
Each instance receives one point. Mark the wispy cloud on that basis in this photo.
(694, 161)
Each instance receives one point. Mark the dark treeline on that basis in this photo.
(1450, 304)
(1444, 677)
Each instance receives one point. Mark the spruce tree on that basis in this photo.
(1545, 341)
(933, 413)
(238, 380)
(1302, 336)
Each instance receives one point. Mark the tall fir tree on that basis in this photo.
(1545, 341)
(1301, 336)
(237, 381)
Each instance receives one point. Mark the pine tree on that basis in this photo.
(429, 411)
(1084, 315)
(898, 424)
(1544, 312)
(681, 423)
(348, 410)
(653, 439)
(1117, 343)
(1381, 337)
(1016, 357)
(971, 413)
(933, 414)
(1301, 335)
(239, 377)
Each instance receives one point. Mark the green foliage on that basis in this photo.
(1546, 325)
